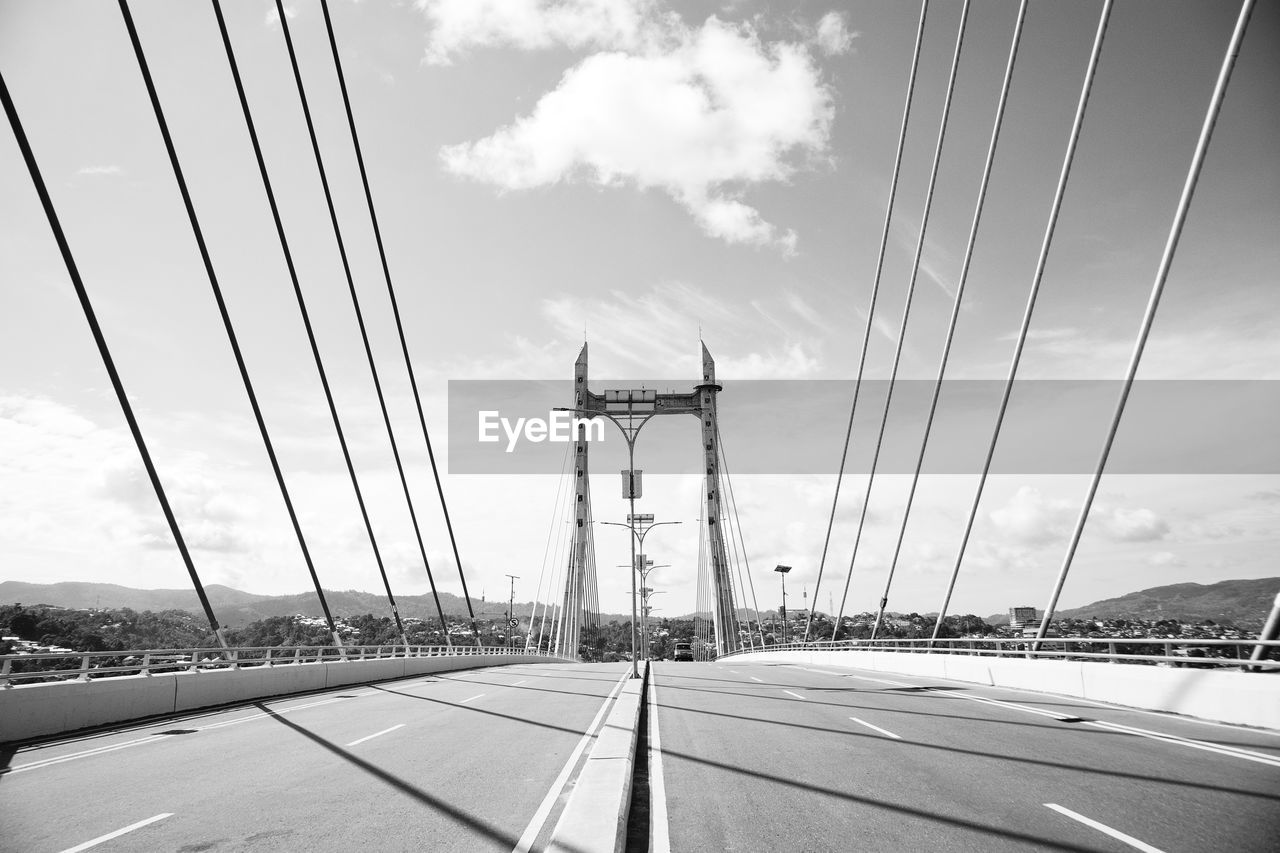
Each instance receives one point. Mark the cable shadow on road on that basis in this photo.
(1038, 762)
(454, 813)
(541, 670)
(1035, 842)
(475, 710)
(531, 688)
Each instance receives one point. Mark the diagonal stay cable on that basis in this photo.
(306, 317)
(871, 311)
(1153, 302)
(983, 184)
(73, 271)
(733, 502)
(906, 312)
(1038, 277)
(355, 303)
(395, 310)
(228, 327)
(906, 309)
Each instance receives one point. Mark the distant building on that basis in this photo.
(1023, 617)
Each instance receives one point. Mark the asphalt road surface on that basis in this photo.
(761, 757)
(457, 761)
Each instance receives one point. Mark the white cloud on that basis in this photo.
(832, 37)
(700, 115)
(1030, 518)
(649, 332)
(458, 25)
(1131, 525)
(100, 170)
(273, 14)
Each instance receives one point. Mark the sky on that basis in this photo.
(637, 174)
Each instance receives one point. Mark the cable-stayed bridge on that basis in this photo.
(830, 742)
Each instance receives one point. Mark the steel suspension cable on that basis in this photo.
(906, 312)
(871, 312)
(546, 550)
(227, 326)
(306, 322)
(355, 303)
(737, 566)
(1056, 206)
(1153, 302)
(960, 287)
(108, 362)
(737, 520)
(395, 311)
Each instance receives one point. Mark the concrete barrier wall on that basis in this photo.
(37, 710)
(1242, 698)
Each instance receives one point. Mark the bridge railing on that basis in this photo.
(1185, 652)
(83, 666)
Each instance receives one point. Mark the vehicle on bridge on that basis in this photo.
(684, 651)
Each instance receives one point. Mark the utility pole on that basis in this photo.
(512, 621)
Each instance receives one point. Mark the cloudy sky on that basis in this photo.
(637, 172)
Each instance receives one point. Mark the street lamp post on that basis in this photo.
(639, 525)
(511, 613)
(782, 570)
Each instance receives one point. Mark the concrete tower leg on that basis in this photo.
(724, 613)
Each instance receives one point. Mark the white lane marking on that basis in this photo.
(375, 734)
(822, 671)
(761, 680)
(518, 683)
(472, 699)
(883, 681)
(1164, 715)
(531, 831)
(238, 720)
(1103, 828)
(734, 672)
(1232, 751)
(884, 732)
(1066, 718)
(102, 750)
(797, 695)
(659, 826)
(119, 832)
(925, 688)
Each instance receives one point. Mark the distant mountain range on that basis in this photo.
(1244, 603)
(235, 608)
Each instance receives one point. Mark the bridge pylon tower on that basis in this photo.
(701, 403)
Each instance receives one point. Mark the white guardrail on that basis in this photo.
(1182, 652)
(47, 666)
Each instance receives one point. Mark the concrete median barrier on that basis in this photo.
(595, 818)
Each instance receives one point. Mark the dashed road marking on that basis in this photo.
(1103, 828)
(884, 732)
(359, 741)
(119, 832)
